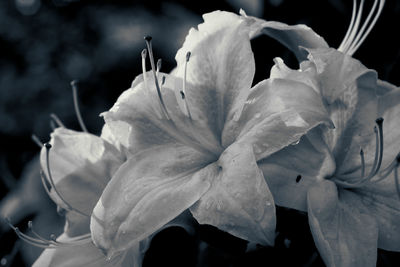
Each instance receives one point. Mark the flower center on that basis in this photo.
(339, 180)
(357, 33)
(376, 174)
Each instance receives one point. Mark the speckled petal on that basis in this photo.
(239, 201)
(277, 113)
(149, 190)
(344, 230)
(221, 65)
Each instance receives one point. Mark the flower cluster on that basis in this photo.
(203, 143)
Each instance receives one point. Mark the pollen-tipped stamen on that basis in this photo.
(186, 110)
(377, 160)
(74, 86)
(144, 55)
(52, 184)
(57, 120)
(153, 68)
(42, 242)
(36, 140)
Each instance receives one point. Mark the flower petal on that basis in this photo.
(239, 201)
(221, 65)
(149, 190)
(291, 171)
(293, 37)
(344, 231)
(349, 90)
(82, 255)
(139, 122)
(81, 165)
(385, 206)
(277, 113)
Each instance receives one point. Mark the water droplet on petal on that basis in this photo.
(257, 150)
(295, 143)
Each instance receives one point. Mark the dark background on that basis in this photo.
(44, 44)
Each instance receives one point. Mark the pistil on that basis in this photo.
(74, 86)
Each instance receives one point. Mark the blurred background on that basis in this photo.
(44, 44)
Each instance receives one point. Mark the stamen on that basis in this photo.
(396, 176)
(74, 85)
(350, 29)
(144, 55)
(57, 120)
(355, 36)
(298, 178)
(159, 63)
(149, 48)
(364, 35)
(362, 163)
(42, 242)
(355, 27)
(163, 80)
(186, 110)
(53, 125)
(377, 160)
(36, 140)
(51, 181)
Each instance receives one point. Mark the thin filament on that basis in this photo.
(362, 30)
(183, 93)
(36, 140)
(51, 181)
(153, 68)
(74, 86)
(42, 242)
(57, 120)
(353, 17)
(144, 55)
(371, 26)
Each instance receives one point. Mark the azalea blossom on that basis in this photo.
(346, 177)
(193, 139)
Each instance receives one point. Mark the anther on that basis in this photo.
(377, 160)
(185, 108)
(298, 178)
(163, 80)
(144, 71)
(42, 242)
(74, 86)
(148, 38)
(153, 68)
